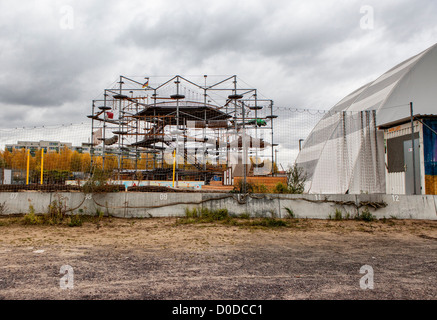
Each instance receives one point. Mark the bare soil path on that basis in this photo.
(159, 259)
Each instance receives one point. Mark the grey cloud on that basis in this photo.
(300, 54)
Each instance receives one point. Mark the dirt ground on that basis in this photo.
(159, 259)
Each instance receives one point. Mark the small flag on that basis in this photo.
(110, 115)
(146, 84)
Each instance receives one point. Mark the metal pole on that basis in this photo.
(271, 113)
(174, 166)
(256, 127)
(414, 149)
(120, 143)
(276, 159)
(177, 130)
(235, 105)
(42, 166)
(28, 166)
(244, 147)
(136, 140)
(92, 138)
(205, 96)
(104, 134)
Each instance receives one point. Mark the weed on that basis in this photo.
(273, 214)
(99, 213)
(31, 218)
(215, 215)
(297, 178)
(281, 188)
(56, 214)
(338, 215)
(366, 216)
(268, 223)
(3, 208)
(75, 221)
(260, 188)
(244, 216)
(99, 182)
(290, 213)
(240, 187)
(205, 215)
(191, 213)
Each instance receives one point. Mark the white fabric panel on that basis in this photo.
(348, 155)
(396, 183)
(401, 67)
(353, 96)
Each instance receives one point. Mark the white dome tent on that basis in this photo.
(345, 151)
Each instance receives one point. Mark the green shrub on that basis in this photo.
(215, 215)
(290, 213)
(99, 182)
(206, 215)
(31, 218)
(366, 216)
(239, 187)
(191, 213)
(260, 188)
(338, 215)
(245, 216)
(281, 188)
(3, 208)
(56, 213)
(75, 221)
(296, 179)
(268, 223)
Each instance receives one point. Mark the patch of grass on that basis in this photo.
(214, 215)
(75, 221)
(3, 208)
(268, 223)
(31, 218)
(57, 215)
(273, 214)
(338, 215)
(281, 188)
(99, 213)
(195, 216)
(244, 216)
(290, 213)
(191, 214)
(365, 215)
(204, 215)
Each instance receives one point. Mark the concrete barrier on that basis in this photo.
(137, 204)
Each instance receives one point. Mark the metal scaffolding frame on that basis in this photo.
(147, 120)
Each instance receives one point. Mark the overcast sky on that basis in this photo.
(57, 56)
